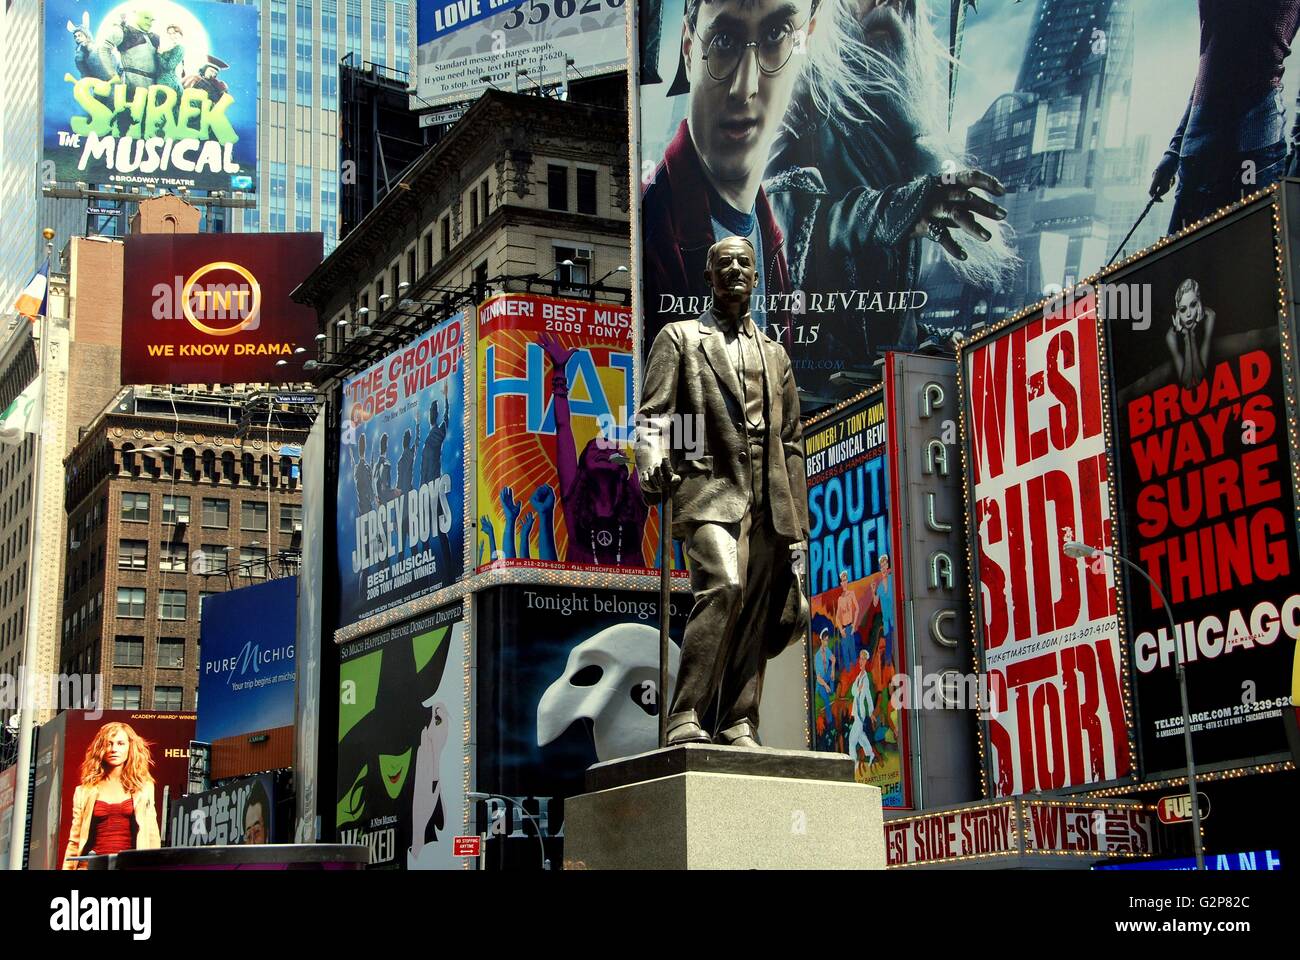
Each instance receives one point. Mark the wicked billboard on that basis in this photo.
(403, 738)
(215, 307)
(913, 168)
(1205, 495)
(151, 92)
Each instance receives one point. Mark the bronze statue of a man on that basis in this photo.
(740, 503)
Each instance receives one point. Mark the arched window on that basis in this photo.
(187, 463)
(210, 465)
(228, 466)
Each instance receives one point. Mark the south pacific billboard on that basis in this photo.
(555, 409)
(910, 169)
(403, 739)
(856, 643)
(401, 475)
(215, 307)
(1206, 505)
(154, 94)
(466, 46)
(1047, 636)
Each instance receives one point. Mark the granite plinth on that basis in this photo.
(701, 806)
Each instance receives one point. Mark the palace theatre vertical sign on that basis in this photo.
(215, 308)
(1046, 627)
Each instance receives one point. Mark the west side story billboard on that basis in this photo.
(401, 475)
(466, 46)
(151, 93)
(1047, 635)
(1206, 504)
(907, 169)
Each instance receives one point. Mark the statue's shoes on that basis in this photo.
(685, 728)
(741, 734)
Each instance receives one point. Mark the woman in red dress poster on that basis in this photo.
(113, 808)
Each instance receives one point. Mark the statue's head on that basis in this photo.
(731, 270)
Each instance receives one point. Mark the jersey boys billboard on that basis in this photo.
(215, 307)
(151, 93)
(1047, 631)
(1205, 496)
(857, 649)
(401, 475)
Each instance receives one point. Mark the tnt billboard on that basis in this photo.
(215, 308)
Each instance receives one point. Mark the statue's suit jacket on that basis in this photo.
(689, 373)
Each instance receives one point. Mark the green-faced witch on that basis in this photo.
(393, 728)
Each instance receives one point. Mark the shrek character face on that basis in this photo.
(144, 20)
(393, 768)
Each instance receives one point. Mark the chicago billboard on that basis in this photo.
(555, 407)
(215, 307)
(466, 46)
(910, 169)
(246, 660)
(1205, 497)
(1048, 639)
(403, 742)
(401, 523)
(857, 650)
(151, 93)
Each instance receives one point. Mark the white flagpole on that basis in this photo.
(18, 836)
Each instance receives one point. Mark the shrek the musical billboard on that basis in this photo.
(151, 93)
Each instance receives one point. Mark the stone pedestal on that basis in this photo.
(702, 807)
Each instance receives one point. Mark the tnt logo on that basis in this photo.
(211, 298)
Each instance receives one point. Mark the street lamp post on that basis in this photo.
(1082, 551)
(479, 795)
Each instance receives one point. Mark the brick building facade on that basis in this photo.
(171, 496)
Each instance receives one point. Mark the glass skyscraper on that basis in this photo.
(302, 42)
